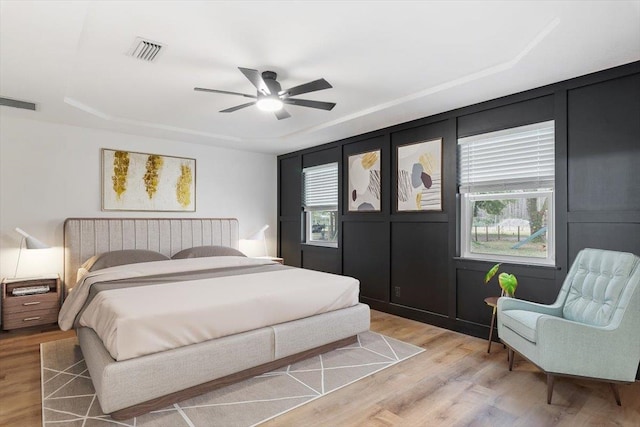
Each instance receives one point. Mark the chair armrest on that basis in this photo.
(585, 350)
(506, 303)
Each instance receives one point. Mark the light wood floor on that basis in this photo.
(454, 382)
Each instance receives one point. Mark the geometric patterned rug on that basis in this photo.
(69, 399)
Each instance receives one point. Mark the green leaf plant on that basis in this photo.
(508, 282)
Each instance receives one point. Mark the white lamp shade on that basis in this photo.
(259, 235)
(256, 243)
(30, 241)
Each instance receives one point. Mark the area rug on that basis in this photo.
(68, 397)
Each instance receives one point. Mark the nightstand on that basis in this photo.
(30, 309)
(272, 258)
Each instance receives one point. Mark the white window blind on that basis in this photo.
(320, 189)
(521, 158)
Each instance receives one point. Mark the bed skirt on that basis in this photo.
(127, 383)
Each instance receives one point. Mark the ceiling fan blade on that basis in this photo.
(282, 114)
(237, 107)
(255, 78)
(313, 86)
(309, 103)
(202, 89)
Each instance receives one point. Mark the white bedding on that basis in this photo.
(142, 320)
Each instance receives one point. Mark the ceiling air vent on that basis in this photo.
(146, 50)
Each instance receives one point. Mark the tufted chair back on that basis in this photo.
(597, 286)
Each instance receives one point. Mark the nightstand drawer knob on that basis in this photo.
(32, 303)
(28, 319)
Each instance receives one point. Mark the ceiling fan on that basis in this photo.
(271, 97)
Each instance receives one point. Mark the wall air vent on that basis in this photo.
(16, 103)
(145, 50)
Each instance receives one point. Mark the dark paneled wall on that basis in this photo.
(419, 260)
(289, 203)
(366, 255)
(604, 141)
(521, 113)
(407, 262)
(603, 165)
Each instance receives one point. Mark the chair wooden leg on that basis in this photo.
(616, 393)
(493, 321)
(550, 381)
(510, 356)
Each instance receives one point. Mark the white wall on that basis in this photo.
(49, 172)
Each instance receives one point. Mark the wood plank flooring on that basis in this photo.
(20, 393)
(453, 383)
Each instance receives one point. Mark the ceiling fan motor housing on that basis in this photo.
(269, 78)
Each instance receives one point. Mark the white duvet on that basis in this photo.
(142, 320)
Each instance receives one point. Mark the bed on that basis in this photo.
(146, 361)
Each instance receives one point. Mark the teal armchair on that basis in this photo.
(593, 328)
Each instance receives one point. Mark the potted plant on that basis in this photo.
(508, 282)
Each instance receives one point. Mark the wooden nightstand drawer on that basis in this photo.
(31, 302)
(29, 318)
(32, 309)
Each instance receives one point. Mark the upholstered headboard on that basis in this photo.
(86, 237)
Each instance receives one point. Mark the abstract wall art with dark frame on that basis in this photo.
(419, 176)
(364, 182)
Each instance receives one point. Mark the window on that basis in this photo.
(506, 182)
(320, 203)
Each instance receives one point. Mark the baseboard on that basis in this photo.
(458, 325)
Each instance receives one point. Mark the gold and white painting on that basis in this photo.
(147, 182)
(419, 180)
(364, 182)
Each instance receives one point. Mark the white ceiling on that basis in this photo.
(388, 61)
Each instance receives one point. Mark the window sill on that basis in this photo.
(511, 262)
(320, 244)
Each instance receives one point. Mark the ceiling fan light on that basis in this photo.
(269, 104)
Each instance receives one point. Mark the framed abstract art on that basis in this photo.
(419, 176)
(364, 182)
(147, 182)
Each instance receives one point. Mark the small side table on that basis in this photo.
(31, 308)
(492, 302)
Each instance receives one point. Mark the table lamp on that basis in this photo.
(29, 242)
(260, 236)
